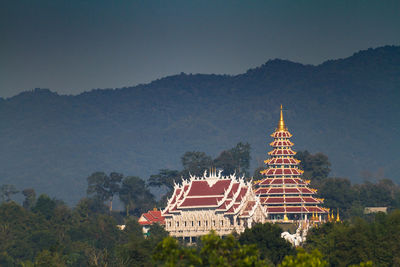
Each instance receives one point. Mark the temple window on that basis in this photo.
(185, 224)
(213, 222)
(192, 223)
(177, 224)
(199, 223)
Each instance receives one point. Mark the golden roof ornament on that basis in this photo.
(281, 124)
(337, 216)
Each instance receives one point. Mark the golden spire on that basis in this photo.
(281, 124)
(337, 215)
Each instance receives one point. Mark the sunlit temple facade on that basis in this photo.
(224, 204)
(284, 195)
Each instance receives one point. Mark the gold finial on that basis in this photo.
(337, 216)
(281, 124)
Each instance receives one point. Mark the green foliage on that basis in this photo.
(216, 251)
(6, 260)
(235, 160)
(316, 167)
(338, 193)
(212, 251)
(45, 206)
(257, 173)
(304, 259)
(138, 250)
(135, 195)
(195, 163)
(30, 198)
(170, 253)
(166, 178)
(48, 259)
(6, 191)
(103, 187)
(357, 241)
(267, 238)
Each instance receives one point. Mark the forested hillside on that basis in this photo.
(348, 109)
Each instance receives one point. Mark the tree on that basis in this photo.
(338, 194)
(359, 241)
(165, 178)
(30, 198)
(212, 251)
(195, 163)
(304, 259)
(45, 205)
(257, 175)
(217, 251)
(316, 167)
(6, 191)
(135, 195)
(235, 160)
(104, 187)
(170, 253)
(49, 259)
(267, 238)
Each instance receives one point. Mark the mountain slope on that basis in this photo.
(346, 108)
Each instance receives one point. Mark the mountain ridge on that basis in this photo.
(53, 142)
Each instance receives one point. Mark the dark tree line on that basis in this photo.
(46, 232)
(135, 193)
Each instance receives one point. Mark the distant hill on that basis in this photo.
(348, 109)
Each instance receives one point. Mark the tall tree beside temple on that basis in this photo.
(103, 187)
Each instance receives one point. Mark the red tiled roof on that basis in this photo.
(200, 202)
(153, 216)
(293, 200)
(279, 161)
(202, 188)
(277, 181)
(274, 200)
(233, 190)
(185, 188)
(281, 143)
(306, 190)
(310, 200)
(280, 171)
(295, 209)
(316, 209)
(275, 209)
(282, 152)
(275, 191)
(242, 193)
(292, 190)
(224, 205)
(281, 134)
(233, 208)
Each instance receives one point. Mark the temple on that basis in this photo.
(284, 195)
(228, 204)
(224, 204)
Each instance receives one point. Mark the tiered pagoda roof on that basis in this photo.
(283, 193)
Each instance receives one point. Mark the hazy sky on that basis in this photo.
(72, 46)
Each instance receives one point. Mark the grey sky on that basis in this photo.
(72, 46)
